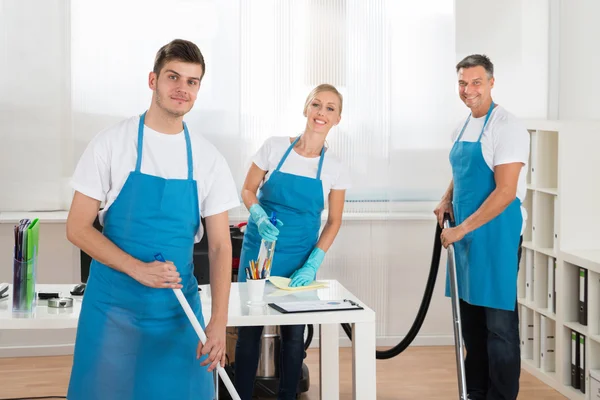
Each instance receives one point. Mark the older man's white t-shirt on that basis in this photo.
(112, 154)
(505, 140)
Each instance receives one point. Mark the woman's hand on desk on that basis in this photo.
(161, 275)
(308, 272)
(214, 347)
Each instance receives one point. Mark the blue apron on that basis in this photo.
(133, 341)
(486, 258)
(298, 202)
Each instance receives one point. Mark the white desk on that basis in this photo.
(362, 321)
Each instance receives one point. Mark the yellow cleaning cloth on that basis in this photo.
(284, 284)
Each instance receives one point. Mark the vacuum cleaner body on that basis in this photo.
(268, 372)
(266, 383)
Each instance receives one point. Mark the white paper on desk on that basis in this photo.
(318, 305)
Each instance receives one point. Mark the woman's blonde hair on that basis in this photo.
(325, 87)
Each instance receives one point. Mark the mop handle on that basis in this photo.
(202, 336)
(458, 339)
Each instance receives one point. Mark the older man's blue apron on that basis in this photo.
(133, 341)
(486, 259)
(298, 202)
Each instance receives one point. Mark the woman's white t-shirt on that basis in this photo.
(334, 174)
(505, 140)
(112, 154)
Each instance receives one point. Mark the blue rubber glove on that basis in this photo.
(308, 272)
(266, 229)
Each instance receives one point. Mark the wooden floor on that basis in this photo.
(418, 373)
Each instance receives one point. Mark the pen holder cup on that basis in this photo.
(23, 294)
(256, 291)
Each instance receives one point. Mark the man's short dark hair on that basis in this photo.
(475, 60)
(178, 50)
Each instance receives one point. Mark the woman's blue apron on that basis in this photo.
(298, 202)
(486, 258)
(135, 342)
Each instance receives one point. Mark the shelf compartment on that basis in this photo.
(529, 274)
(543, 227)
(528, 205)
(593, 303)
(570, 348)
(540, 280)
(527, 333)
(546, 155)
(570, 299)
(547, 344)
(544, 283)
(532, 140)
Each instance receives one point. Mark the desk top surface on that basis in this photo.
(240, 314)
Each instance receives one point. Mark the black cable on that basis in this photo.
(418, 322)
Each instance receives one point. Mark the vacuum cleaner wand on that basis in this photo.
(202, 336)
(458, 339)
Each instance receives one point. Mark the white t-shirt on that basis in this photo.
(112, 154)
(505, 140)
(334, 174)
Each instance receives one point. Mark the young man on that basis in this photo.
(156, 179)
(484, 198)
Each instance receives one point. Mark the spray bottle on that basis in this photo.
(266, 252)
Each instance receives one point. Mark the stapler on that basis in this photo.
(3, 290)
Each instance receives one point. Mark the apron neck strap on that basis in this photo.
(487, 117)
(287, 153)
(188, 146)
(140, 142)
(140, 146)
(321, 162)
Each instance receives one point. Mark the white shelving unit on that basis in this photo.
(560, 243)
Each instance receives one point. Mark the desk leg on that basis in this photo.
(329, 361)
(364, 366)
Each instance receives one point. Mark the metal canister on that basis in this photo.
(268, 365)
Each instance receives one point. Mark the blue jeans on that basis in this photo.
(247, 354)
(493, 361)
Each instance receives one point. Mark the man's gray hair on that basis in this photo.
(475, 60)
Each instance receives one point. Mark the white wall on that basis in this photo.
(514, 34)
(579, 59)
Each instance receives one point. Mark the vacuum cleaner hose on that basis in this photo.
(418, 322)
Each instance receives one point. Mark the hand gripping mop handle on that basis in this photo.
(201, 335)
(458, 339)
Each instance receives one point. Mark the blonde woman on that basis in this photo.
(297, 175)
